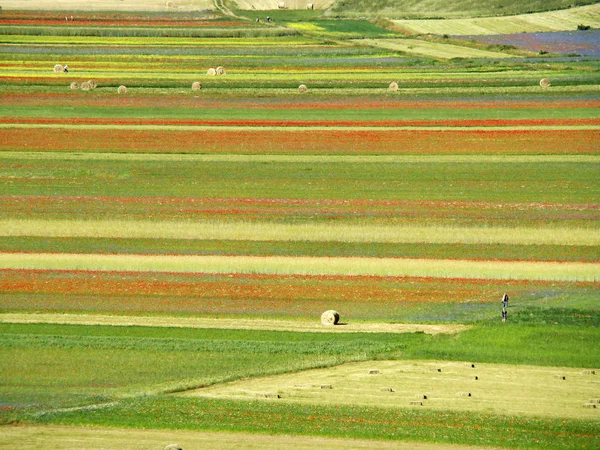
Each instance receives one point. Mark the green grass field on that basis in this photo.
(166, 253)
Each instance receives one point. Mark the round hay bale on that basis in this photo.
(58, 68)
(220, 70)
(169, 4)
(173, 447)
(93, 84)
(196, 86)
(545, 82)
(393, 86)
(85, 86)
(302, 89)
(212, 72)
(330, 317)
(74, 85)
(122, 90)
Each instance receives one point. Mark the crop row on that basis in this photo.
(17, 104)
(358, 297)
(304, 141)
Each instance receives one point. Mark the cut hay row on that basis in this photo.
(302, 326)
(324, 232)
(374, 159)
(562, 20)
(507, 270)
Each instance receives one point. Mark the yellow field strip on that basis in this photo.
(294, 128)
(95, 438)
(432, 49)
(228, 323)
(478, 159)
(272, 231)
(281, 265)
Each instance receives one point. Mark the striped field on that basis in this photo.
(307, 266)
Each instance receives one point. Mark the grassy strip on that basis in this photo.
(544, 344)
(541, 183)
(509, 270)
(114, 361)
(339, 421)
(583, 253)
(294, 114)
(309, 232)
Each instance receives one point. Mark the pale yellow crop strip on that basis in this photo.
(550, 271)
(272, 231)
(378, 159)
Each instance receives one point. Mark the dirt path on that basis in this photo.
(220, 6)
(239, 324)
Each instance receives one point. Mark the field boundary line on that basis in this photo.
(305, 265)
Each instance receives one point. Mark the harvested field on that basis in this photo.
(499, 389)
(33, 437)
(560, 20)
(235, 324)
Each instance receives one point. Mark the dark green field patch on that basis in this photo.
(546, 182)
(581, 253)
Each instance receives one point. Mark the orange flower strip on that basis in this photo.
(305, 123)
(330, 141)
(171, 208)
(245, 294)
(169, 101)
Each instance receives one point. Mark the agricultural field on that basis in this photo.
(558, 20)
(179, 208)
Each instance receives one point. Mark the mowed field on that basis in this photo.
(166, 252)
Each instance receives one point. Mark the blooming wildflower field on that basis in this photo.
(127, 219)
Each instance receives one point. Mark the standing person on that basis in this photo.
(66, 68)
(505, 301)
